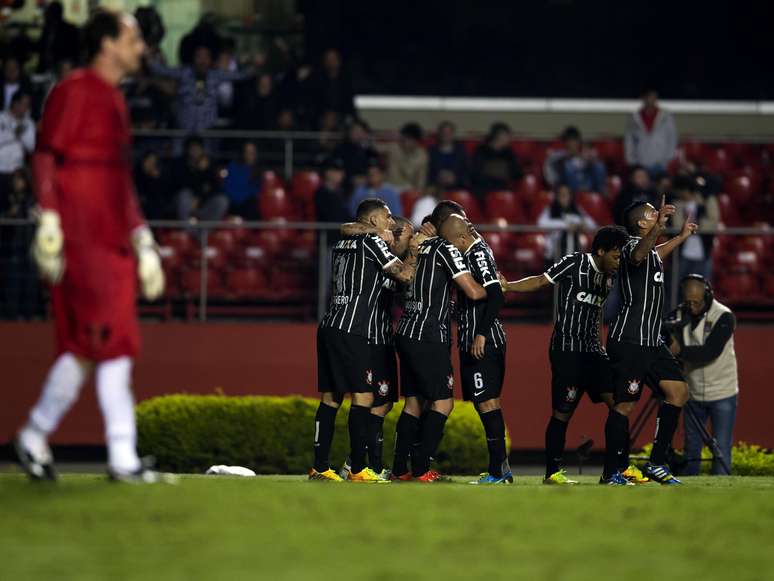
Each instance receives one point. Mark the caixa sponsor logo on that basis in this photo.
(589, 298)
(658, 277)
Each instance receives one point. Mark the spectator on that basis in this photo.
(197, 107)
(407, 159)
(330, 199)
(638, 189)
(17, 136)
(154, 188)
(696, 252)
(226, 61)
(704, 342)
(356, 151)
(495, 166)
(204, 34)
(650, 137)
(333, 86)
(21, 290)
(59, 40)
(198, 195)
(564, 213)
(329, 137)
(375, 187)
(575, 166)
(448, 160)
(257, 105)
(13, 80)
(243, 182)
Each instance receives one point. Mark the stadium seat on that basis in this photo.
(223, 240)
(191, 282)
(528, 152)
(470, 146)
(407, 200)
(738, 287)
(170, 258)
(469, 203)
(695, 151)
(252, 256)
(246, 283)
(595, 206)
(498, 243)
(768, 286)
(538, 203)
(729, 215)
(216, 258)
(529, 186)
(304, 185)
(739, 188)
(505, 205)
(180, 240)
(611, 151)
(717, 161)
(270, 180)
(529, 254)
(614, 185)
(275, 203)
(293, 284)
(744, 261)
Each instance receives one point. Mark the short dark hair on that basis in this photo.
(101, 24)
(426, 219)
(571, 132)
(443, 210)
(608, 238)
(412, 131)
(192, 140)
(18, 96)
(368, 206)
(402, 221)
(633, 213)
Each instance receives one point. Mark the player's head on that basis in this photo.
(374, 212)
(443, 210)
(457, 232)
(697, 294)
(403, 232)
(606, 247)
(640, 218)
(114, 38)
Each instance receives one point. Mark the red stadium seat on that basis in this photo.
(270, 180)
(275, 203)
(191, 282)
(407, 200)
(529, 152)
(529, 186)
(738, 287)
(614, 185)
(470, 145)
(739, 188)
(529, 254)
(304, 185)
(768, 286)
(696, 151)
(252, 256)
(469, 204)
(611, 151)
(595, 206)
(505, 205)
(171, 259)
(180, 240)
(223, 240)
(729, 215)
(216, 258)
(246, 283)
(498, 242)
(272, 241)
(745, 261)
(717, 161)
(293, 284)
(538, 203)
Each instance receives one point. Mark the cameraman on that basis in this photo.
(702, 338)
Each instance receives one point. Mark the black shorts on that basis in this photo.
(343, 362)
(482, 379)
(574, 373)
(425, 369)
(384, 365)
(634, 366)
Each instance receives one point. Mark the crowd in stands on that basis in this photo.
(570, 182)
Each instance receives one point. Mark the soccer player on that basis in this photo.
(637, 353)
(344, 354)
(578, 362)
(424, 347)
(89, 223)
(481, 342)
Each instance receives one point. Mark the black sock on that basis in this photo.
(375, 442)
(623, 458)
(494, 426)
(324, 425)
(556, 434)
(358, 436)
(616, 441)
(432, 434)
(666, 424)
(405, 434)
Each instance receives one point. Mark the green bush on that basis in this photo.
(746, 460)
(273, 435)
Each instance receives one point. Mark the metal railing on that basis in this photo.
(16, 262)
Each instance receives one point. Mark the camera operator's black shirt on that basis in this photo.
(642, 299)
(582, 290)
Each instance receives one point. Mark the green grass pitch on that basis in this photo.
(221, 528)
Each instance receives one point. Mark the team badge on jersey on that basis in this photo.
(370, 377)
(384, 388)
(572, 393)
(450, 381)
(634, 386)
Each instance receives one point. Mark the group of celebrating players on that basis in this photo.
(92, 245)
(381, 258)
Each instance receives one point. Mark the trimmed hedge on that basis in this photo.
(273, 435)
(746, 460)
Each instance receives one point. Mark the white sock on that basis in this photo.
(60, 391)
(117, 404)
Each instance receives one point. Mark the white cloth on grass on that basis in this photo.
(221, 469)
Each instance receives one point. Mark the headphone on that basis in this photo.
(709, 293)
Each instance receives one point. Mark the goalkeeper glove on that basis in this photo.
(149, 268)
(47, 247)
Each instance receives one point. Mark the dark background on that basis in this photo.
(560, 48)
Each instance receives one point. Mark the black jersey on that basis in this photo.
(357, 262)
(642, 299)
(426, 309)
(481, 263)
(582, 290)
(383, 329)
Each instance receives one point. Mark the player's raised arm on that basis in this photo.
(667, 247)
(403, 270)
(355, 228)
(553, 275)
(645, 221)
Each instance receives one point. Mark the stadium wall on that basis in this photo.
(240, 359)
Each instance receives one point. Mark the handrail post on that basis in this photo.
(288, 158)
